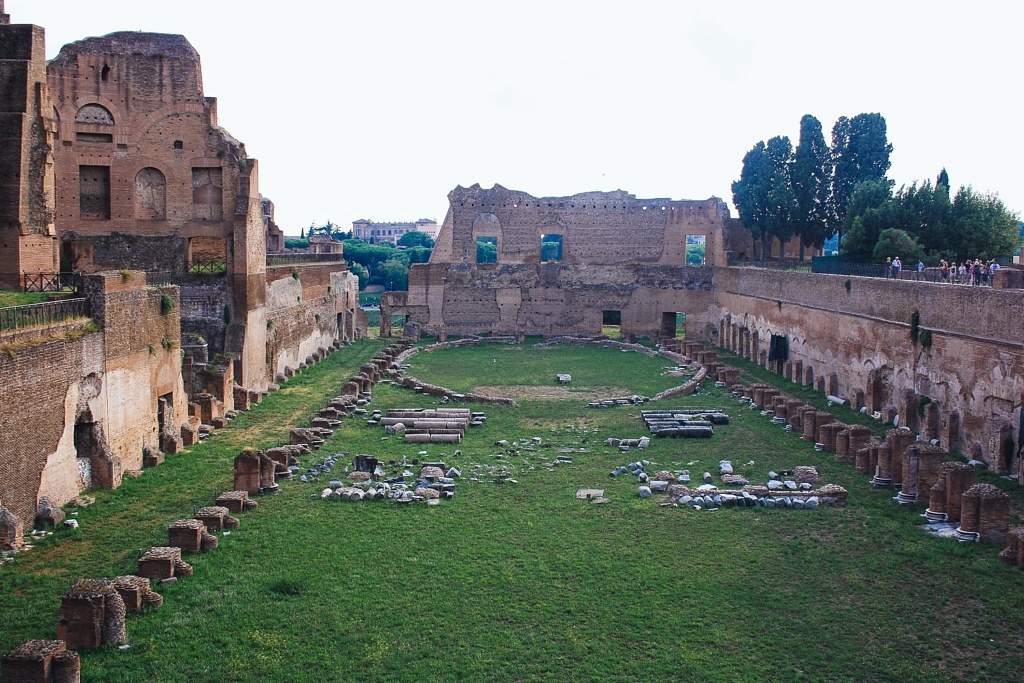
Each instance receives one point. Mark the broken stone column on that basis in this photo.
(136, 593)
(91, 614)
(995, 516)
(859, 437)
(163, 563)
(883, 467)
(11, 530)
(217, 517)
(843, 445)
(236, 501)
(959, 477)
(911, 463)
(1013, 553)
(41, 661)
(898, 440)
(984, 514)
(827, 434)
(248, 466)
(936, 511)
(191, 536)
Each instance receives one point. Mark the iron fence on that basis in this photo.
(52, 282)
(46, 313)
(213, 266)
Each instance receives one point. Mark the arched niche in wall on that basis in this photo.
(150, 195)
(95, 114)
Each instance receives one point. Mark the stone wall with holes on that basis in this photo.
(27, 236)
(962, 383)
(95, 391)
(307, 312)
(618, 253)
(146, 178)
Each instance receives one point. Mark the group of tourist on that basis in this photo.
(968, 272)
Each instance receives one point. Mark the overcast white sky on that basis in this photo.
(375, 109)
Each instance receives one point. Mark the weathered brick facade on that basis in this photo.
(849, 337)
(27, 233)
(619, 253)
(91, 402)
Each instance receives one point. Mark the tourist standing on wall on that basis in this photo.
(897, 266)
(888, 266)
(962, 273)
(920, 269)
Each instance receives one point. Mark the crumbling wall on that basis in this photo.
(851, 337)
(619, 253)
(79, 409)
(27, 127)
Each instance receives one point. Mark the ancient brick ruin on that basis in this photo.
(113, 163)
(847, 337)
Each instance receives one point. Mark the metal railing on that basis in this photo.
(52, 282)
(213, 266)
(46, 313)
(295, 259)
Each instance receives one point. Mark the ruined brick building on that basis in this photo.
(112, 162)
(849, 337)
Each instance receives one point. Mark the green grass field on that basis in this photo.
(522, 582)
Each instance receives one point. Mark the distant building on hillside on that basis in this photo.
(380, 233)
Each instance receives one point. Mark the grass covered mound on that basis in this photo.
(516, 582)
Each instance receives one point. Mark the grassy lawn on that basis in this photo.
(522, 582)
(12, 298)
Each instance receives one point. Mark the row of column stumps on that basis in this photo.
(920, 470)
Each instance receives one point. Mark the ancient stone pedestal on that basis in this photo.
(1013, 553)
(936, 511)
(984, 514)
(41, 661)
(136, 593)
(216, 517)
(91, 614)
(883, 466)
(911, 461)
(47, 513)
(236, 501)
(163, 563)
(827, 434)
(187, 534)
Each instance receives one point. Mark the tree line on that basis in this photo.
(817, 191)
(375, 264)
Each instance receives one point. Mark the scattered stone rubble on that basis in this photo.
(776, 493)
(436, 481)
(920, 470)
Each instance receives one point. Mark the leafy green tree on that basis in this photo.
(695, 254)
(810, 174)
(418, 254)
(981, 226)
(416, 238)
(359, 270)
(486, 250)
(860, 152)
(943, 180)
(394, 274)
(894, 242)
(860, 237)
(764, 194)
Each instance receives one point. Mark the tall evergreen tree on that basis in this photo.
(860, 151)
(764, 194)
(810, 174)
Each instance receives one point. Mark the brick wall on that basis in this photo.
(857, 339)
(112, 378)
